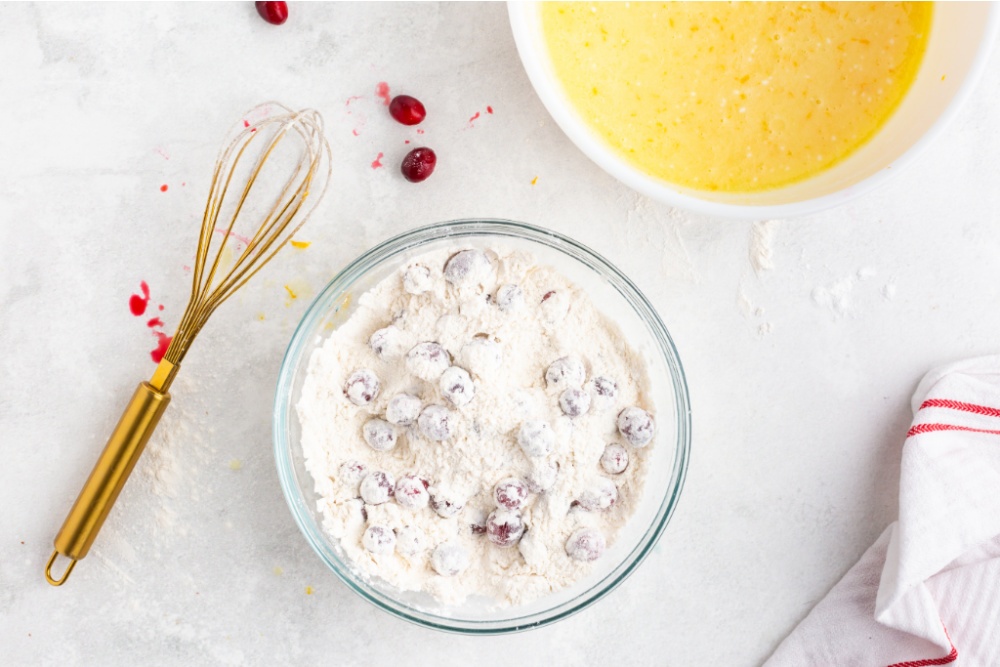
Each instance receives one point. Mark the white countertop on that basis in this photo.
(800, 376)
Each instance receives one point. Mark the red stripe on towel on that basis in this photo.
(959, 405)
(951, 657)
(928, 428)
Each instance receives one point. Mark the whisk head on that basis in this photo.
(267, 182)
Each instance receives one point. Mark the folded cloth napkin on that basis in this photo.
(928, 591)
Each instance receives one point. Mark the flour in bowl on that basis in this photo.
(476, 428)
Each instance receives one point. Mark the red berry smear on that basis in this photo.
(418, 164)
(274, 13)
(407, 110)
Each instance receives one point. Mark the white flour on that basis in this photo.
(506, 339)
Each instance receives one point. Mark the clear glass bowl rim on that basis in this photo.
(307, 330)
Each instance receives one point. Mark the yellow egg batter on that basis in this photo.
(735, 97)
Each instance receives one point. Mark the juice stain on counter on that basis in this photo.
(382, 92)
(137, 303)
(378, 161)
(163, 342)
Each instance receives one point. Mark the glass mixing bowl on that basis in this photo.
(618, 298)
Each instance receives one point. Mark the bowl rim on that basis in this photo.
(320, 308)
(560, 110)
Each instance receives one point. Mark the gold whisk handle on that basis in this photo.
(111, 471)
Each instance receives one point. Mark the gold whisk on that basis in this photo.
(256, 148)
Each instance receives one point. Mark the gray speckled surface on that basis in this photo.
(799, 407)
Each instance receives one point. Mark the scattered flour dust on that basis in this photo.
(506, 339)
(762, 245)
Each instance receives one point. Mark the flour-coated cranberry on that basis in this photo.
(417, 280)
(504, 528)
(554, 306)
(574, 402)
(509, 297)
(351, 473)
(636, 426)
(449, 559)
(410, 541)
(477, 520)
(542, 476)
(483, 357)
(536, 438)
(614, 460)
(362, 387)
(468, 267)
(379, 434)
(457, 386)
(435, 422)
(411, 492)
(377, 487)
(418, 164)
(386, 342)
(510, 493)
(565, 373)
(407, 110)
(403, 409)
(272, 11)
(379, 540)
(600, 495)
(586, 545)
(604, 392)
(427, 361)
(445, 502)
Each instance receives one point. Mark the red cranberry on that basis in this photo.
(444, 503)
(510, 493)
(509, 297)
(352, 472)
(362, 387)
(386, 342)
(377, 487)
(600, 496)
(477, 521)
(467, 268)
(504, 528)
(636, 426)
(418, 164)
(574, 402)
(427, 361)
(274, 13)
(614, 460)
(417, 279)
(564, 373)
(411, 492)
(407, 110)
(449, 559)
(605, 393)
(585, 545)
(410, 541)
(435, 422)
(543, 476)
(403, 409)
(536, 438)
(379, 540)
(457, 386)
(379, 434)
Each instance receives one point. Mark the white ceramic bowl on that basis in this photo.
(962, 36)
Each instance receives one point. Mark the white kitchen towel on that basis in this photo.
(928, 591)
